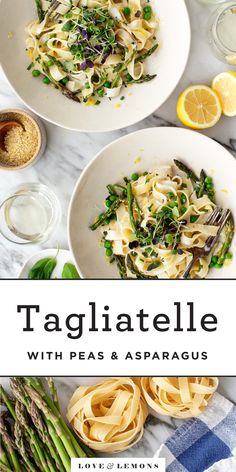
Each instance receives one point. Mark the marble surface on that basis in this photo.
(69, 152)
(157, 429)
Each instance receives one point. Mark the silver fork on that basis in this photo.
(217, 218)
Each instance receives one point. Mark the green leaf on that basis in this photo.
(43, 269)
(70, 271)
(68, 26)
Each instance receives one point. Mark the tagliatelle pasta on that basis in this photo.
(91, 48)
(179, 397)
(109, 416)
(156, 219)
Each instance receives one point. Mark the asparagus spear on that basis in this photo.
(3, 456)
(146, 54)
(51, 418)
(142, 238)
(19, 440)
(130, 199)
(7, 401)
(53, 391)
(39, 10)
(201, 187)
(22, 417)
(37, 385)
(134, 270)
(101, 219)
(111, 189)
(189, 172)
(4, 468)
(43, 432)
(10, 447)
(143, 78)
(228, 232)
(120, 261)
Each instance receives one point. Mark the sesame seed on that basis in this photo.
(21, 143)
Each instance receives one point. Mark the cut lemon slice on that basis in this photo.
(199, 107)
(224, 85)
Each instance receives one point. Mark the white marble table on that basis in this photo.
(69, 152)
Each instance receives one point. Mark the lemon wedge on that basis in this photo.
(199, 107)
(224, 85)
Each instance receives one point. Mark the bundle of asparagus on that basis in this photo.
(33, 434)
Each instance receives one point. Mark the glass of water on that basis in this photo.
(222, 32)
(29, 214)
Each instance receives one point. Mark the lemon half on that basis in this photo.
(199, 107)
(224, 85)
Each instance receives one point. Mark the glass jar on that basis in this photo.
(29, 214)
(222, 32)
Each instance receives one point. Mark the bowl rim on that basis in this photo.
(86, 169)
(22, 112)
(130, 122)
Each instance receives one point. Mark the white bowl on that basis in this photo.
(140, 100)
(153, 146)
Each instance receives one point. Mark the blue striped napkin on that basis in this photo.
(201, 442)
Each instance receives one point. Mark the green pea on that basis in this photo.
(126, 11)
(50, 63)
(218, 266)
(147, 9)
(108, 203)
(107, 244)
(107, 84)
(46, 80)
(147, 16)
(228, 255)
(169, 238)
(170, 195)
(108, 252)
(134, 177)
(214, 260)
(193, 218)
(183, 198)
(87, 85)
(100, 92)
(208, 180)
(36, 73)
(209, 186)
(112, 198)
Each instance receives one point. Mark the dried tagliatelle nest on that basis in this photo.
(180, 397)
(109, 416)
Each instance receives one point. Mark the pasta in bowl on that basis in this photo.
(141, 152)
(89, 49)
(156, 219)
(91, 64)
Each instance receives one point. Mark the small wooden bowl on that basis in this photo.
(41, 133)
